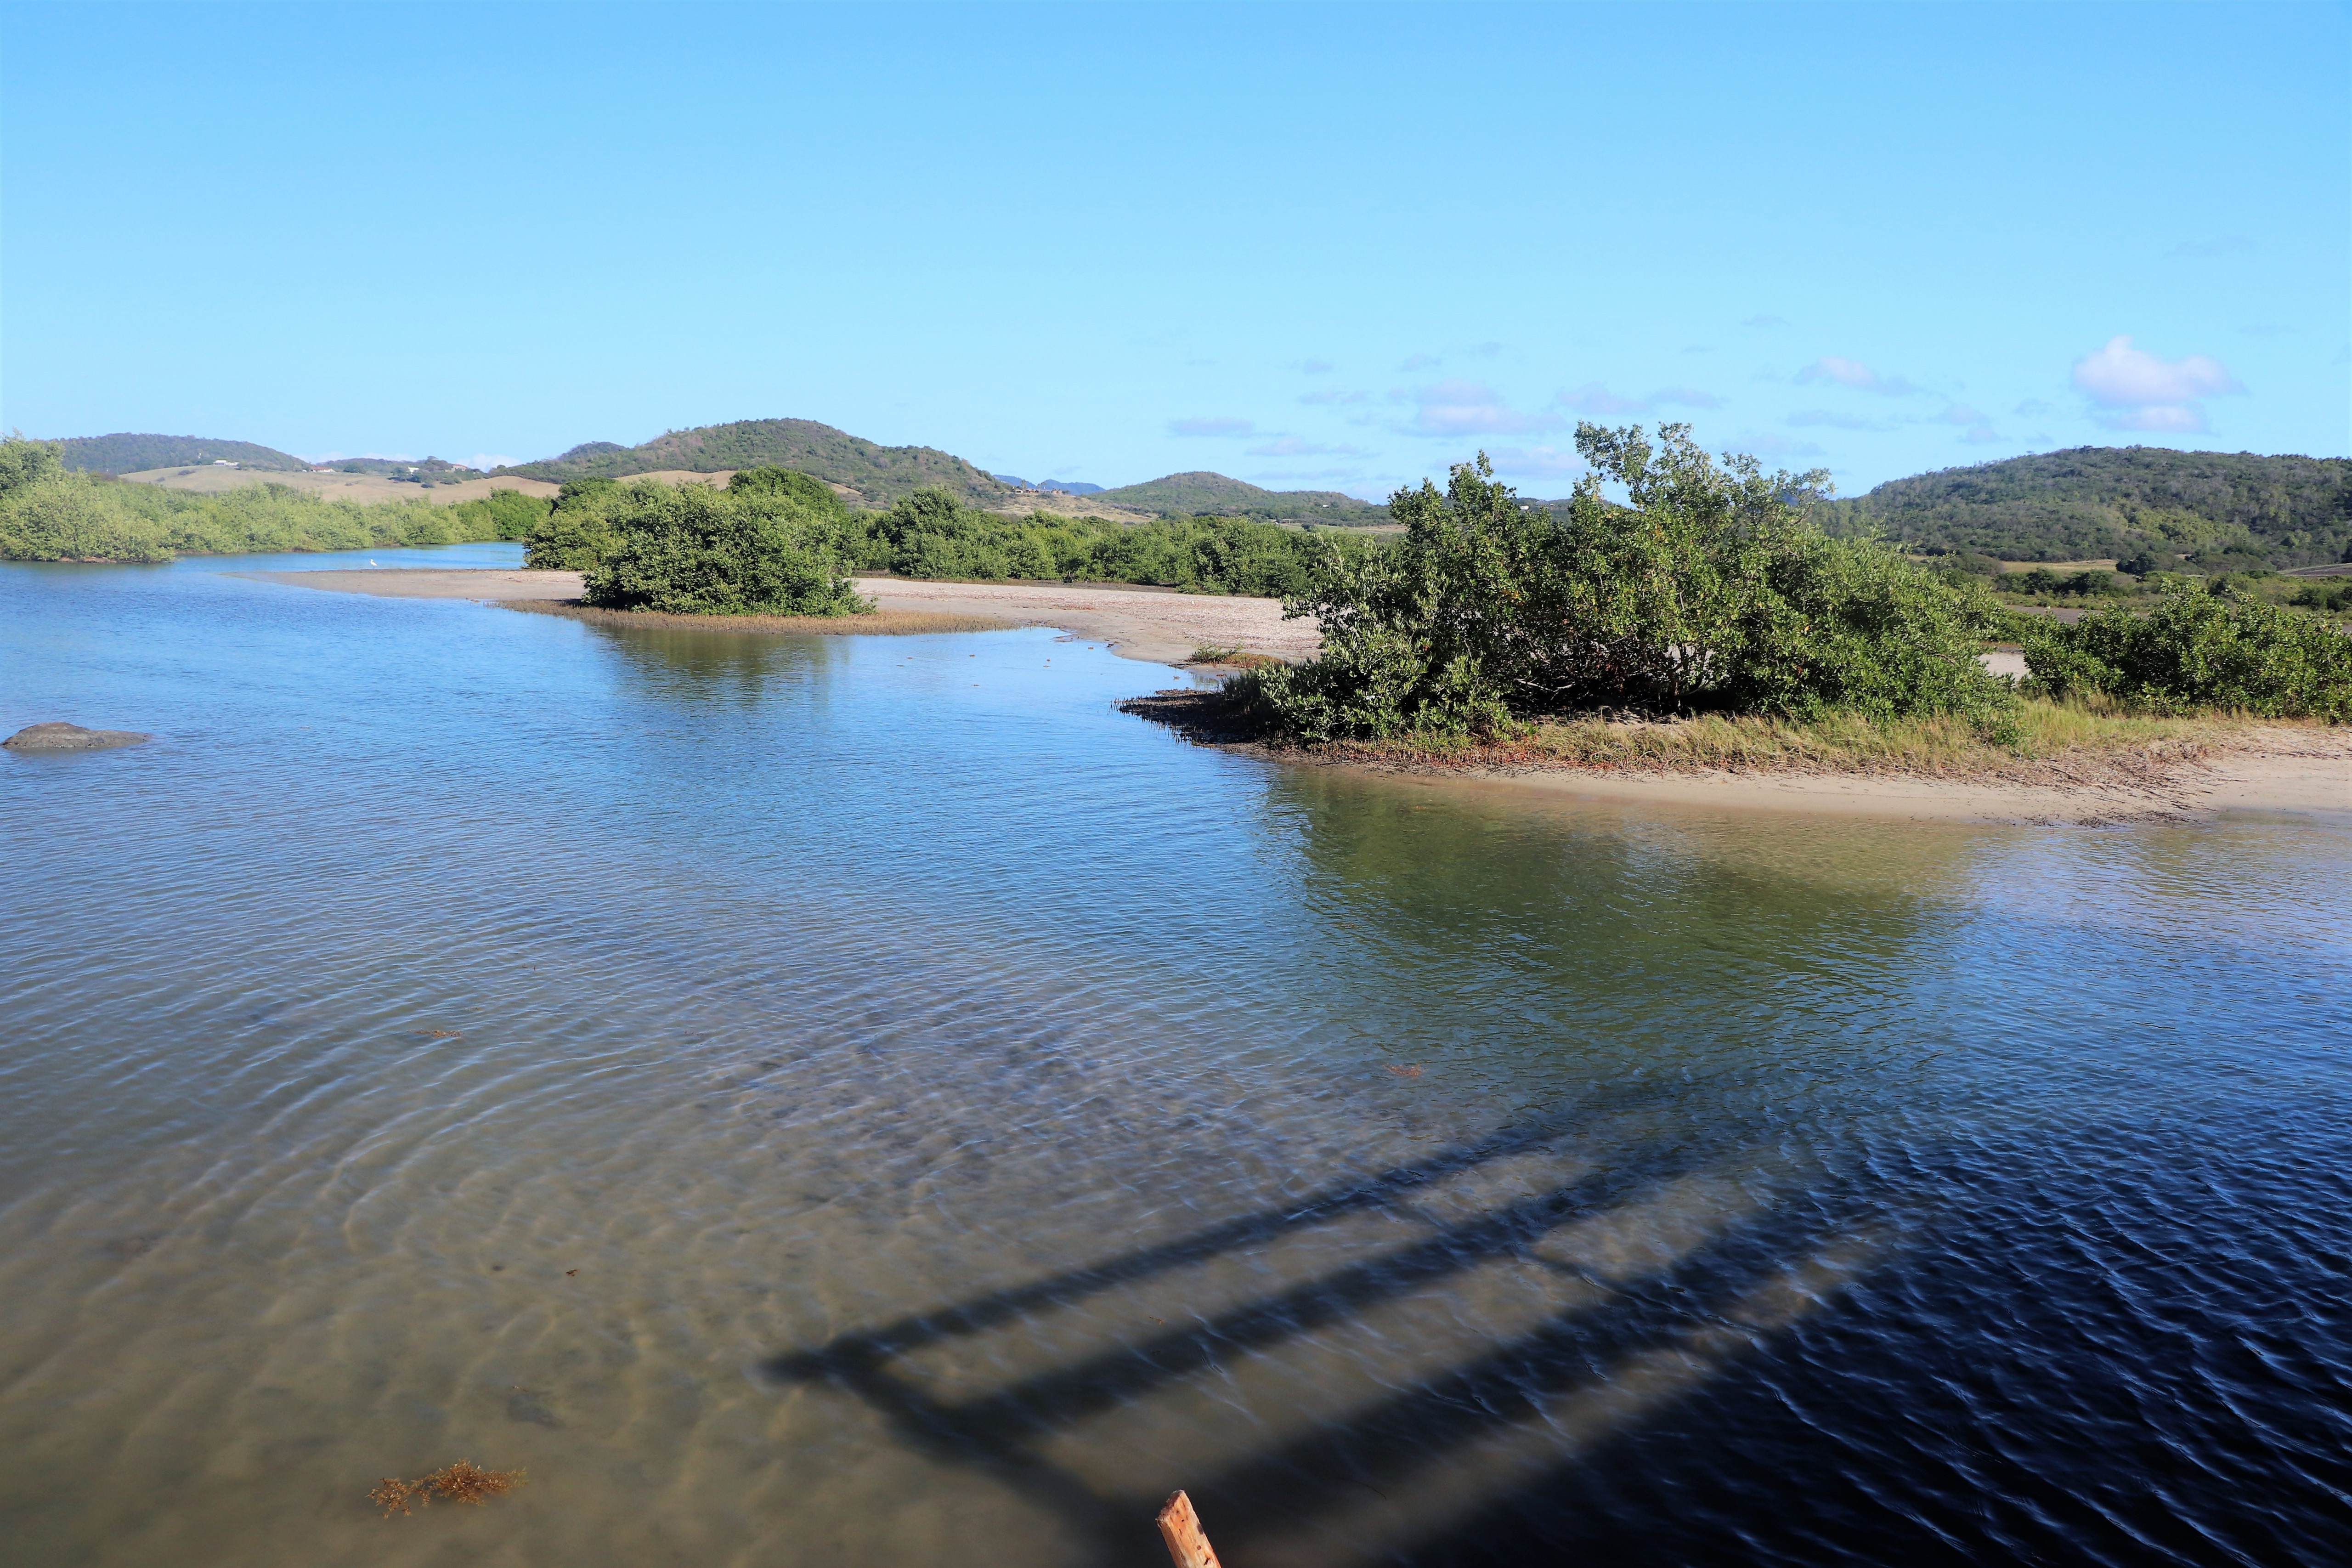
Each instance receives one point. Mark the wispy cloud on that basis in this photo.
(1304, 476)
(1293, 446)
(1536, 462)
(1332, 394)
(1807, 418)
(1598, 401)
(1979, 424)
(1419, 362)
(1472, 408)
(1486, 350)
(1854, 374)
(1765, 322)
(1315, 367)
(1765, 444)
(1212, 424)
(2136, 390)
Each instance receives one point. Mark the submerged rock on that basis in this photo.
(70, 738)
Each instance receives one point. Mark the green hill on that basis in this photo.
(129, 454)
(1214, 495)
(880, 475)
(2220, 510)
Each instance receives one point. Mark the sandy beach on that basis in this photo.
(2282, 769)
(1156, 624)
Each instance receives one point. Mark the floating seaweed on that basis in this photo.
(464, 1481)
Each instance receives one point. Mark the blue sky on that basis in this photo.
(1313, 246)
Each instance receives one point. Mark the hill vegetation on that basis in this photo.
(51, 512)
(129, 454)
(880, 475)
(1202, 494)
(2216, 511)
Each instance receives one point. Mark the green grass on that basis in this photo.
(1939, 745)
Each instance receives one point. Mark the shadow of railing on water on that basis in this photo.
(1395, 1465)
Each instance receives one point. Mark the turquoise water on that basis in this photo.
(864, 1101)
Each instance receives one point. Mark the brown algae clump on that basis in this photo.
(464, 1481)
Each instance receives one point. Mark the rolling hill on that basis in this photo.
(128, 453)
(879, 474)
(1205, 494)
(2220, 510)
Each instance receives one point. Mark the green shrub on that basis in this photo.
(697, 550)
(2199, 649)
(65, 516)
(1709, 590)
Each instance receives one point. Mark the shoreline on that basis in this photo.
(1155, 625)
(2274, 768)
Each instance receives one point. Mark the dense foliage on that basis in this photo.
(1711, 590)
(2200, 647)
(2217, 510)
(697, 550)
(879, 474)
(129, 454)
(930, 533)
(51, 512)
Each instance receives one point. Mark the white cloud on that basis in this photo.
(1293, 446)
(1961, 414)
(1316, 366)
(1596, 399)
(1536, 462)
(1212, 424)
(1978, 435)
(1472, 408)
(1854, 374)
(2121, 377)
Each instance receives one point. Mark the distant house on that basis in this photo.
(223, 463)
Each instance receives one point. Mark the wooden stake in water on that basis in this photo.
(1180, 1527)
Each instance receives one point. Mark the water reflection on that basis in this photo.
(971, 1113)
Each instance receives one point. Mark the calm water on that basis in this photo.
(864, 1101)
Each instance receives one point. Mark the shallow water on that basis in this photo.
(863, 1101)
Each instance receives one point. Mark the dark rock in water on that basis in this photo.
(70, 738)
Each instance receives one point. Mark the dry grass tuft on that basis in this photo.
(464, 1481)
(1233, 658)
(874, 622)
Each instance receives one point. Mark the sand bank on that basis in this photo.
(1157, 625)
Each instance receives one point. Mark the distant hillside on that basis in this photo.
(1203, 494)
(1072, 487)
(879, 474)
(2216, 509)
(129, 454)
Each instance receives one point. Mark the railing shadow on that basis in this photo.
(1403, 1455)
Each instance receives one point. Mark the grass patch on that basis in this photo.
(874, 623)
(1937, 745)
(2079, 740)
(1233, 657)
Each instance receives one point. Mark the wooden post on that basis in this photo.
(1180, 1527)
